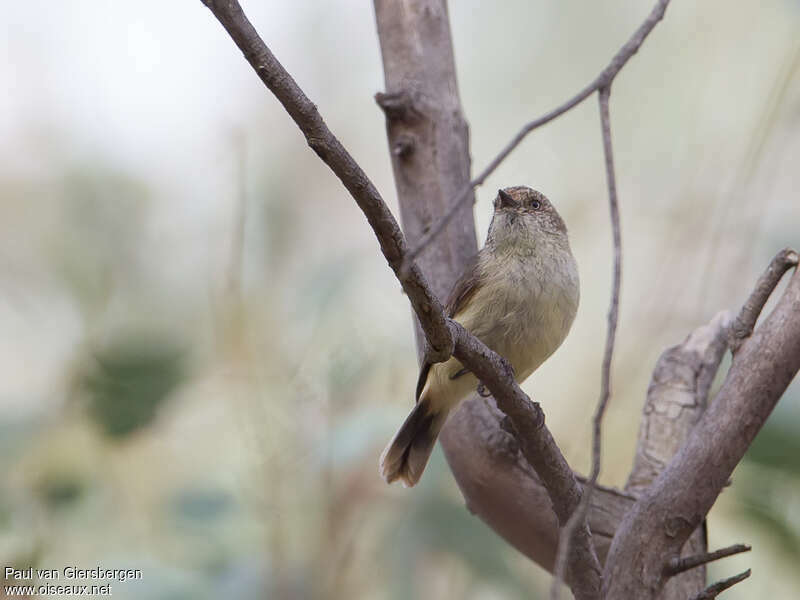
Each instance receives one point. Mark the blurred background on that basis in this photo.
(202, 351)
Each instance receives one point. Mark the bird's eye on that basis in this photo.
(536, 205)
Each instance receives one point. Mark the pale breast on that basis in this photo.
(525, 308)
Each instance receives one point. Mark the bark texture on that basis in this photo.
(676, 399)
(427, 132)
(676, 503)
(429, 148)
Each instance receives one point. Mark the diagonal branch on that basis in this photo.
(540, 450)
(716, 589)
(603, 80)
(304, 113)
(443, 335)
(681, 564)
(745, 321)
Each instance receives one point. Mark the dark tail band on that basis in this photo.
(407, 454)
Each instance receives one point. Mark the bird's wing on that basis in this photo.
(423, 377)
(462, 291)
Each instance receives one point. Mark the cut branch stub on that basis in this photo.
(398, 106)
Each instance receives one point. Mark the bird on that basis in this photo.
(519, 295)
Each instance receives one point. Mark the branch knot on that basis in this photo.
(398, 106)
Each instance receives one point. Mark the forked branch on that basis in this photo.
(670, 509)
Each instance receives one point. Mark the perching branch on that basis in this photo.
(675, 504)
(539, 449)
(716, 589)
(681, 564)
(444, 336)
(603, 80)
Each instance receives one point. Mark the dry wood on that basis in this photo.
(679, 565)
(716, 589)
(676, 398)
(676, 503)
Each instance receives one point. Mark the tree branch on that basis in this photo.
(603, 80)
(330, 150)
(427, 133)
(743, 326)
(443, 335)
(678, 500)
(502, 488)
(681, 564)
(716, 589)
(541, 452)
(676, 399)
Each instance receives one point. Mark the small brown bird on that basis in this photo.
(519, 297)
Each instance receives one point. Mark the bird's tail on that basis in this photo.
(407, 454)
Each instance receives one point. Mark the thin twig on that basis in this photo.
(744, 323)
(604, 79)
(679, 565)
(716, 589)
(567, 531)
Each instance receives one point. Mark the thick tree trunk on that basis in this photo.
(428, 136)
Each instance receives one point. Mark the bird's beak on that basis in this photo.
(506, 201)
